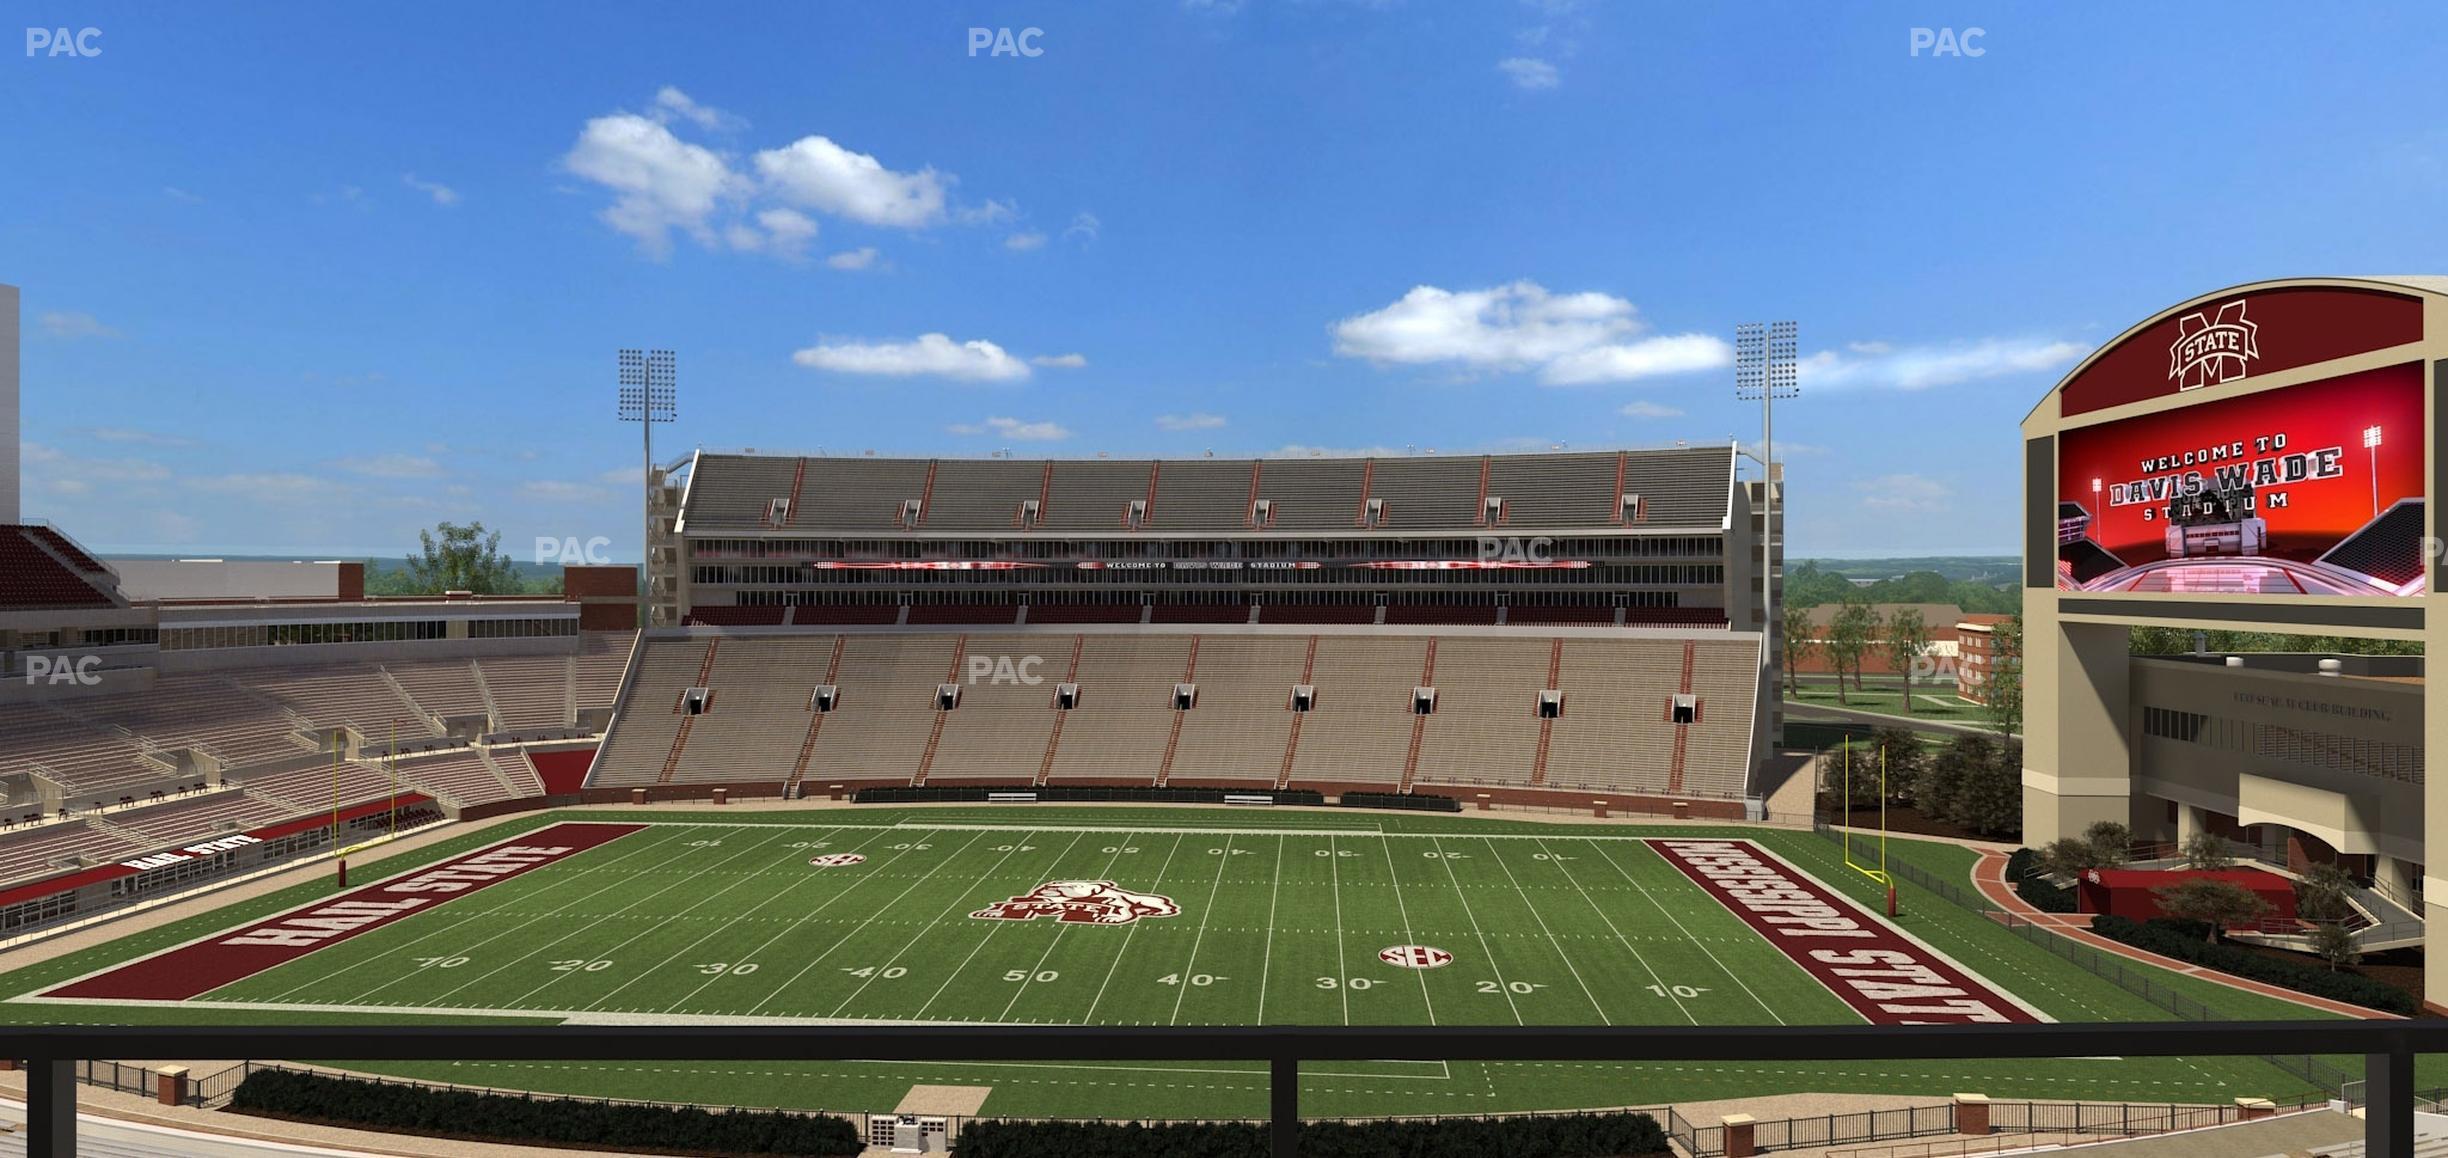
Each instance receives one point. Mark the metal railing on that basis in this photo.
(2388, 1049)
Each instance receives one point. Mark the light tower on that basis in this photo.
(2371, 446)
(1764, 369)
(649, 393)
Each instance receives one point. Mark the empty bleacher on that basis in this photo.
(323, 786)
(462, 777)
(602, 657)
(1202, 495)
(641, 739)
(762, 687)
(529, 692)
(1000, 729)
(1616, 733)
(1359, 730)
(33, 577)
(1427, 492)
(1556, 490)
(1312, 493)
(982, 494)
(197, 817)
(1095, 496)
(54, 847)
(880, 726)
(81, 757)
(212, 712)
(331, 695)
(1243, 718)
(1485, 728)
(442, 687)
(1125, 714)
(858, 493)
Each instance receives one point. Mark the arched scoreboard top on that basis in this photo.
(2271, 439)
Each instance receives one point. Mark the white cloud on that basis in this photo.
(278, 486)
(930, 355)
(392, 465)
(670, 102)
(622, 476)
(1570, 339)
(143, 437)
(662, 182)
(181, 196)
(1060, 361)
(70, 325)
(781, 232)
(1084, 228)
(815, 173)
(1904, 494)
(990, 213)
(863, 257)
(1648, 410)
(1013, 429)
(1647, 358)
(1180, 422)
(1304, 450)
(1023, 242)
(1529, 72)
(442, 194)
(1877, 365)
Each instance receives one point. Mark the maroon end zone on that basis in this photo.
(1886, 977)
(208, 964)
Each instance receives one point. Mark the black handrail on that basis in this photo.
(2388, 1048)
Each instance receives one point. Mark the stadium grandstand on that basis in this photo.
(1512, 627)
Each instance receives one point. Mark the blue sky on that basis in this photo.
(307, 277)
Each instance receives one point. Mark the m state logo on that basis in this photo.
(837, 860)
(1415, 956)
(1081, 903)
(2210, 349)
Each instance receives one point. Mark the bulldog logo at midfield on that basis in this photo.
(1081, 902)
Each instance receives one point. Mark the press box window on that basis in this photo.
(1185, 697)
(1550, 704)
(825, 697)
(947, 697)
(1304, 697)
(1066, 697)
(1686, 708)
(1423, 701)
(693, 701)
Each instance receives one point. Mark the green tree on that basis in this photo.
(2069, 857)
(2113, 841)
(2220, 903)
(2205, 850)
(1798, 643)
(1942, 778)
(2005, 681)
(1908, 639)
(1989, 799)
(1906, 757)
(1849, 635)
(461, 557)
(2324, 893)
(2333, 944)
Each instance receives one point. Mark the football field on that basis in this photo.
(1136, 917)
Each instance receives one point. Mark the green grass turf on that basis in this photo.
(1930, 701)
(1283, 912)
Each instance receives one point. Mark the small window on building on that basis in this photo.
(1136, 516)
(1304, 697)
(1373, 513)
(1029, 511)
(1066, 697)
(1493, 509)
(1550, 704)
(693, 702)
(1686, 708)
(825, 697)
(911, 509)
(1262, 512)
(1423, 700)
(777, 512)
(1634, 510)
(1185, 697)
(947, 697)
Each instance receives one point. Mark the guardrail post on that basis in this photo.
(170, 1085)
(1739, 1137)
(51, 1108)
(1972, 1114)
(2388, 1107)
(1283, 1108)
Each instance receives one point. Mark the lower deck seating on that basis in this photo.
(1616, 733)
(197, 817)
(50, 848)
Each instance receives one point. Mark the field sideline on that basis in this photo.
(1276, 917)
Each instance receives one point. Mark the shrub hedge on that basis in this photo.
(2188, 941)
(2038, 891)
(514, 1118)
(1557, 1136)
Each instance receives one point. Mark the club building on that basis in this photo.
(2255, 459)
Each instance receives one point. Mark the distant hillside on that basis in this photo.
(1978, 584)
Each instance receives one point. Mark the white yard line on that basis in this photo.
(1266, 956)
(1404, 910)
(526, 955)
(1223, 859)
(1342, 967)
(443, 930)
(1687, 935)
(958, 903)
(650, 930)
(1626, 942)
(1089, 1018)
(1490, 952)
(599, 1002)
(1055, 942)
(844, 939)
(1569, 967)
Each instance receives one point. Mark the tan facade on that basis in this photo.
(2088, 751)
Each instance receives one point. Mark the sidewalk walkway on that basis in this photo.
(1990, 876)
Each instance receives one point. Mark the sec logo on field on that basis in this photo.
(1415, 957)
(837, 860)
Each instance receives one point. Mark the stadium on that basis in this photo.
(1424, 741)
